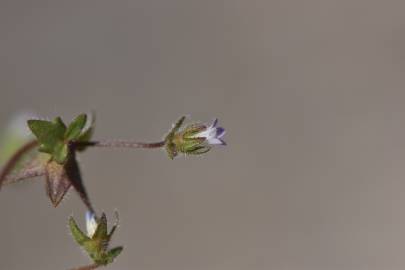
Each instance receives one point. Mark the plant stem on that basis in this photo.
(120, 144)
(24, 174)
(87, 267)
(12, 162)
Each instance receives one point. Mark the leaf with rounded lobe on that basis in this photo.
(49, 134)
(75, 127)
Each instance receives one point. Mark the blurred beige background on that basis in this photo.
(312, 95)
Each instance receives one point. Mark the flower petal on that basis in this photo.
(215, 141)
(91, 223)
(214, 123)
(207, 133)
(220, 131)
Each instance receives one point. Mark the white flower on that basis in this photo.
(212, 134)
(91, 223)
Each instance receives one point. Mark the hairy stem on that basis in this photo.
(26, 173)
(120, 144)
(87, 267)
(12, 162)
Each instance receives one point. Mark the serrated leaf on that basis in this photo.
(75, 127)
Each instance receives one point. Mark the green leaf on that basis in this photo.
(87, 134)
(101, 231)
(171, 150)
(94, 249)
(170, 146)
(193, 129)
(78, 235)
(96, 246)
(174, 130)
(60, 127)
(198, 150)
(178, 124)
(49, 134)
(113, 253)
(75, 127)
(60, 153)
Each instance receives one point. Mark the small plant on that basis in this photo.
(52, 155)
(97, 239)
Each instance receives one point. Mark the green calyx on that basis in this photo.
(170, 146)
(54, 136)
(96, 245)
(185, 141)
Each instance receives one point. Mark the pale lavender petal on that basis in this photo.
(205, 134)
(220, 131)
(214, 141)
(89, 216)
(214, 123)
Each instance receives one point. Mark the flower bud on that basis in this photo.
(194, 139)
(96, 241)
